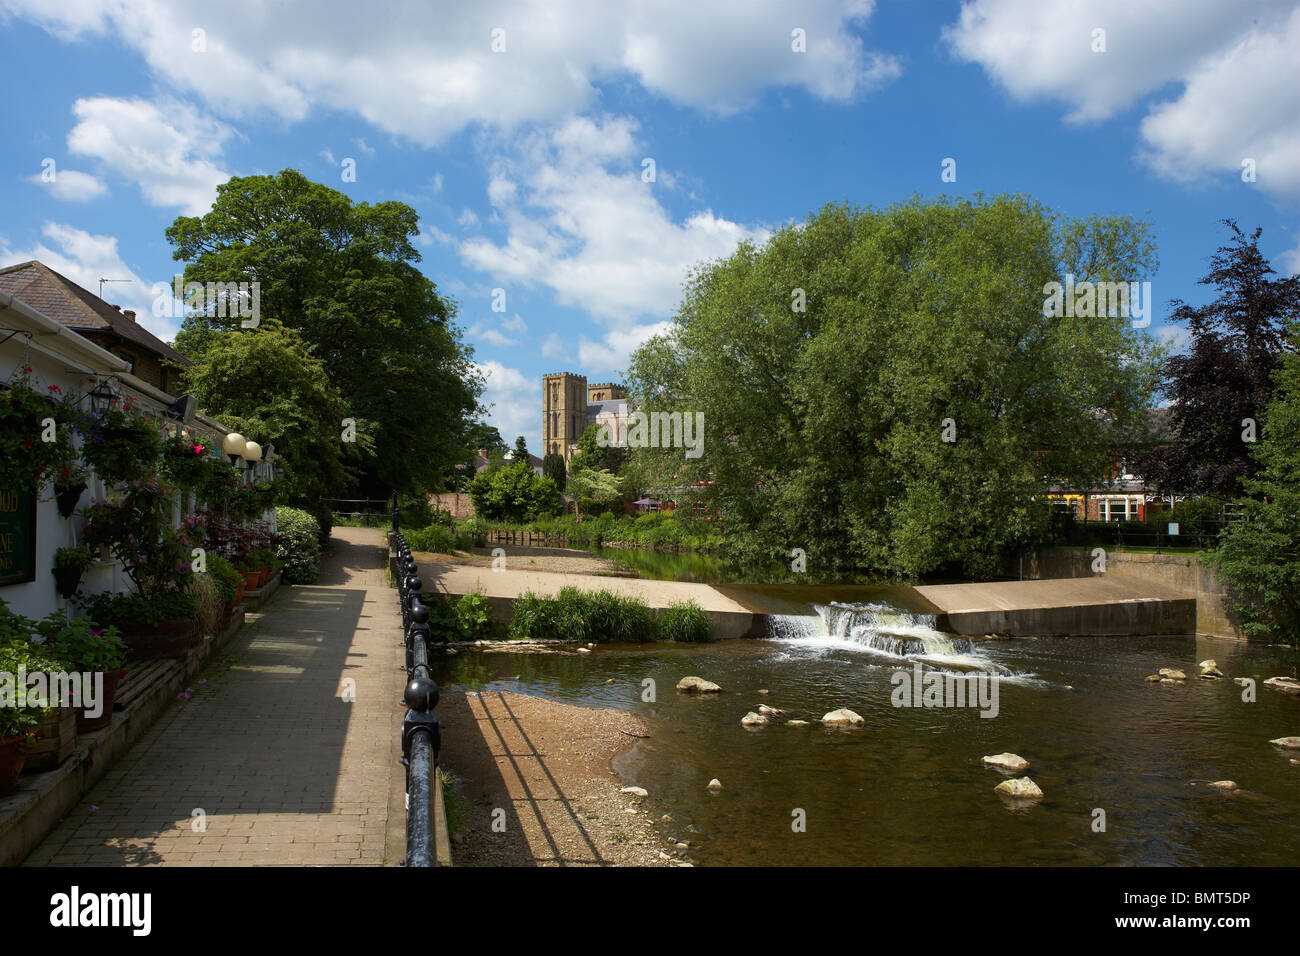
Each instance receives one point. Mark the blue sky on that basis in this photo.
(525, 164)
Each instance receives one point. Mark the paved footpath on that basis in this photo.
(266, 763)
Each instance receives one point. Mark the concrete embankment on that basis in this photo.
(1067, 606)
(501, 588)
(1183, 574)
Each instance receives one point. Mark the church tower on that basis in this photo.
(564, 412)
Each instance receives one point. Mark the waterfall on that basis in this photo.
(883, 630)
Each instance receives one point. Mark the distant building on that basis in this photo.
(570, 405)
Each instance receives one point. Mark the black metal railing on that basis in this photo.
(421, 732)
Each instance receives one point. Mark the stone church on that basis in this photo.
(569, 405)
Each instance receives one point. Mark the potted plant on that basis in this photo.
(69, 483)
(20, 717)
(26, 458)
(157, 618)
(185, 460)
(228, 578)
(85, 649)
(120, 444)
(69, 565)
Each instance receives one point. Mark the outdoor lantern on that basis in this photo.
(252, 452)
(102, 397)
(234, 445)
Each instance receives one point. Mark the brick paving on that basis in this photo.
(266, 763)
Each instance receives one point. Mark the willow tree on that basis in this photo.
(887, 389)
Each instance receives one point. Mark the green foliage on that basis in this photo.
(121, 444)
(28, 710)
(1260, 556)
(26, 460)
(553, 468)
(342, 276)
(265, 384)
(685, 621)
(590, 453)
(137, 531)
(227, 577)
(434, 537)
(79, 645)
(184, 461)
(474, 616)
(298, 545)
(514, 493)
(824, 427)
(80, 557)
(574, 615)
(595, 485)
(125, 610)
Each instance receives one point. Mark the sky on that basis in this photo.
(582, 156)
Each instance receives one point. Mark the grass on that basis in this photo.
(603, 617)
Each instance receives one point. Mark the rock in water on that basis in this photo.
(1208, 663)
(636, 791)
(844, 716)
(1022, 788)
(764, 690)
(1211, 673)
(1172, 673)
(1287, 685)
(1013, 762)
(770, 711)
(584, 650)
(796, 723)
(697, 685)
(1223, 785)
(752, 719)
(715, 784)
(1154, 678)
(1291, 743)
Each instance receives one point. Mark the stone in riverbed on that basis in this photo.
(1170, 680)
(1223, 785)
(770, 711)
(1154, 678)
(1287, 685)
(1172, 673)
(636, 791)
(796, 723)
(1211, 673)
(1211, 662)
(752, 719)
(843, 717)
(584, 650)
(1012, 762)
(697, 685)
(764, 690)
(715, 784)
(1020, 788)
(1290, 743)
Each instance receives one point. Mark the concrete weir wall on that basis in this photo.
(1182, 573)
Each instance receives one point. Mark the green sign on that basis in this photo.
(17, 537)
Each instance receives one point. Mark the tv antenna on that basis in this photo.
(102, 281)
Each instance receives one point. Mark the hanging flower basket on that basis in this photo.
(67, 580)
(67, 497)
(120, 444)
(26, 459)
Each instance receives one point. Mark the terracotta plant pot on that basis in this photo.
(239, 594)
(13, 754)
(250, 580)
(87, 724)
(265, 576)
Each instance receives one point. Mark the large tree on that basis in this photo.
(1222, 385)
(1260, 555)
(267, 386)
(342, 274)
(887, 389)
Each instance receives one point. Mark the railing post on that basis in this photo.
(395, 513)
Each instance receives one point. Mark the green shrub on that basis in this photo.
(574, 615)
(325, 518)
(685, 621)
(299, 545)
(435, 538)
(227, 578)
(474, 616)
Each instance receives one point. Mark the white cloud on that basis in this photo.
(581, 222)
(70, 185)
(1288, 263)
(328, 155)
(490, 331)
(1176, 336)
(85, 259)
(168, 149)
(612, 352)
(716, 55)
(468, 218)
(360, 144)
(515, 403)
(1235, 72)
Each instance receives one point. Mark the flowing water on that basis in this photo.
(909, 787)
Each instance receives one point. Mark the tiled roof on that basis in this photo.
(67, 303)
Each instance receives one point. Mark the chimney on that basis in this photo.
(130, 314)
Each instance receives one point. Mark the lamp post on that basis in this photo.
(102, 397)
(233, 445)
